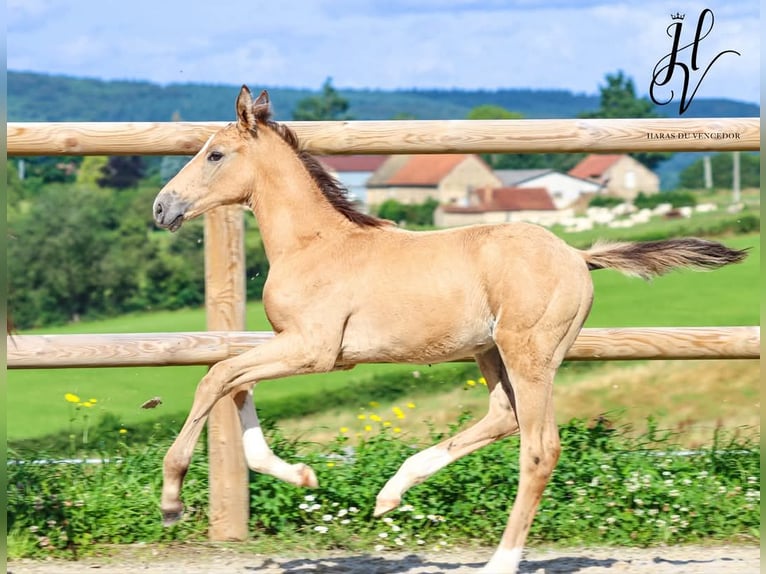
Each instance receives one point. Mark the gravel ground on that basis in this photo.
(204, 560)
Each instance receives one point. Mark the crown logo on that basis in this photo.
(677, 16)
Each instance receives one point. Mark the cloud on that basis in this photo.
(376, 43)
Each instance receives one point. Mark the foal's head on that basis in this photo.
(220, 173)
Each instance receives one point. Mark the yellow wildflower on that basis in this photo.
(375, 418)
(398, 413)
(482, 381)
(361, 417)
(374, 404)
(86, 404)
(410, 405)
(396, 429)
(123, 431)
(344, 429)
(72, 398)
(330, 464)
(386, 423)
(470, 383)
(94, 401)
(367, 428)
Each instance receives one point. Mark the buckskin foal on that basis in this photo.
(346, 288)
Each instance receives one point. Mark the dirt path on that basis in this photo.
(205, 560)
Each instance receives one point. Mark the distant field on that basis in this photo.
(35, 399)
(728, 296)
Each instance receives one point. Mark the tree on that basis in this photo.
(619, 100)
(14, 186)
(721, 167)
(53, 262)
(329, 105)
(122, 172)
(41, 170)
(91, 170)
(492, 112)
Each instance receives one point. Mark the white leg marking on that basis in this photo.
(417, 468)
(256, 448)
(414, 470)
(259, 455)
(503, 561)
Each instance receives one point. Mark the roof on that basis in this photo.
(346, 163)
(390, 166)
(511, 177)
(508, 199)
(594, 166)
(425, 170)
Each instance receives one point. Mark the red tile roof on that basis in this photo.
(508, 199)
(425, 169)
(594, 166)
(346, 163)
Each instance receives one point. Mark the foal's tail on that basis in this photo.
(649, 259)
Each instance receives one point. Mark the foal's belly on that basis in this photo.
(415, 337)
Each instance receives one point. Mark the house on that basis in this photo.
(564, 189)
(618, 174)
(447, 178)
(501, 205)
(353, 171)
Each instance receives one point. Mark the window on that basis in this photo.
(630, 180)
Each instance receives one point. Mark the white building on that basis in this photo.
(563, 188)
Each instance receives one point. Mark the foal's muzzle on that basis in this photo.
(169, 211)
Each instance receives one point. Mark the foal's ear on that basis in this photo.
(262, 107)
(250, 112)
(245, 116)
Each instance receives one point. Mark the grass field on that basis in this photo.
(35, 398)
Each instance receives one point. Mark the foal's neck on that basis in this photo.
(290, 208)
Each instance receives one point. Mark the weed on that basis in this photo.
(610, 487)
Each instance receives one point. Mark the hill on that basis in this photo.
(41, 97)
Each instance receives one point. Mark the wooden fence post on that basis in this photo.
(225, 306)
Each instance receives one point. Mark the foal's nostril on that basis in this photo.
(158, 210)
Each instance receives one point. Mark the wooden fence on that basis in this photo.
(224, 252)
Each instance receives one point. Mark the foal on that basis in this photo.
(346, 288)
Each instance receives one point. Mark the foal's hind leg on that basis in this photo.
(532, 358)
(499, 422)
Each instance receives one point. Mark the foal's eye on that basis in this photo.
(214, 156)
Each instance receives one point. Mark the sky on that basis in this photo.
(386, 44)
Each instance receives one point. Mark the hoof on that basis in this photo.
(170, 517)
(308, 479)
(384, 505)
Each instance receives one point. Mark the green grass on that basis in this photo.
(608, 488)
(725, 297)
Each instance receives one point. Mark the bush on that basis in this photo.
(415, 214)
(605, 201)
(675, 198)
(607, 489)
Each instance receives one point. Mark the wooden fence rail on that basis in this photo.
(405, 136)
(224, 284)
(209, 347)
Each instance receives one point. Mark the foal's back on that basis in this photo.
(436, 296)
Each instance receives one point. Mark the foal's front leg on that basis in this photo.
(259, 455)
(282, 356)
